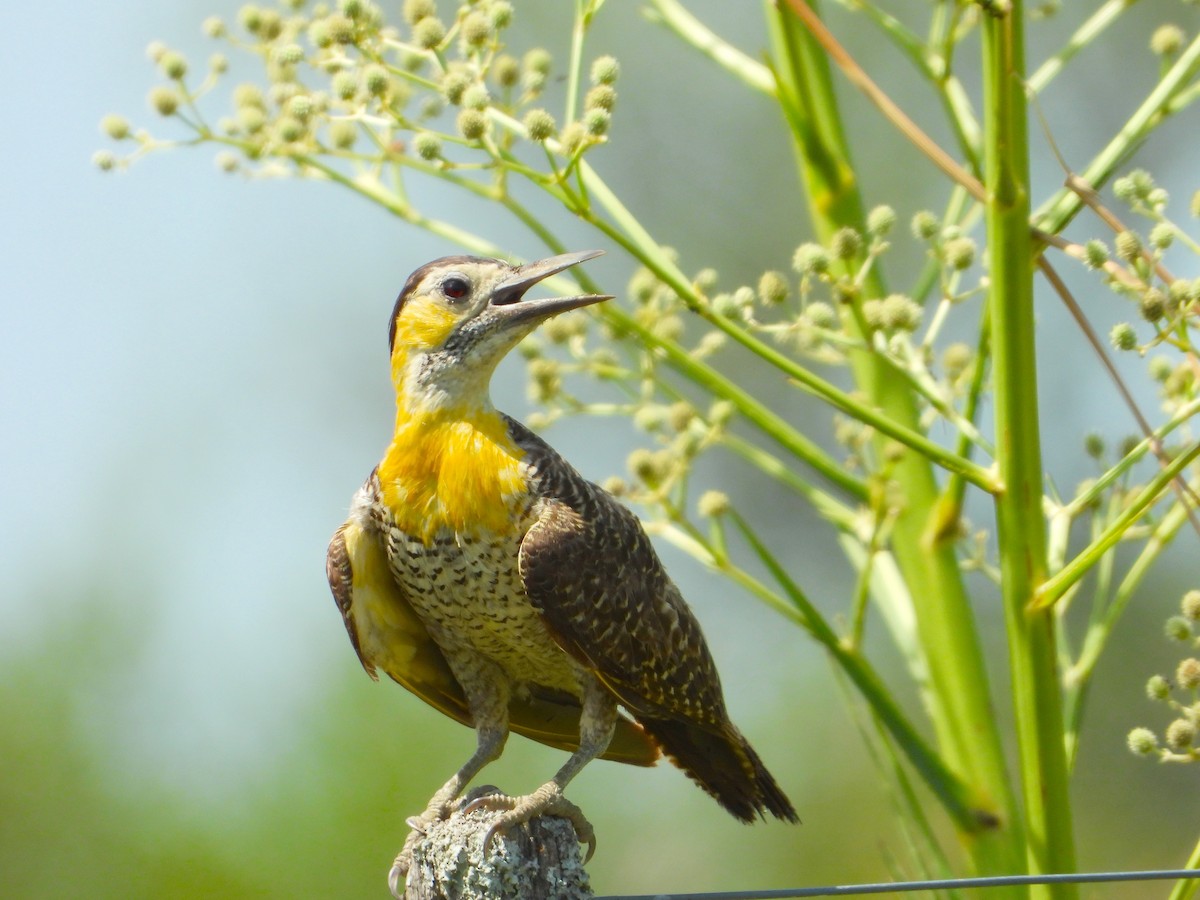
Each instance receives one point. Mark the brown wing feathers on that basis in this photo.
(590, 569)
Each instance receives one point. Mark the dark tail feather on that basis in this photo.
(725, 765)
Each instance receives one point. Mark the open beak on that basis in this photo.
(508, 299)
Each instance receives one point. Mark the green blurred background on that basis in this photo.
(193, 382)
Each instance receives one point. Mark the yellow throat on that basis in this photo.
(454, 468)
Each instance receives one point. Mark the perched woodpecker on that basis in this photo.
(478, 569)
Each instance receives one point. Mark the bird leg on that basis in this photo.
(597, 723)
(488, 701)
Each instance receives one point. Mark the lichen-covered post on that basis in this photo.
(539, 860)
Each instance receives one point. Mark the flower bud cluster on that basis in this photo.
(1180, 693)
(341, 80)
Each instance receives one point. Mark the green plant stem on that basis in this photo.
(1054, 588)
(1037, 701)
(750, 72)
(1187, 888)
(628, 232)
(951, 791)
(1078, 677)
(1084, 35)
(1056, 213)
(960, 703)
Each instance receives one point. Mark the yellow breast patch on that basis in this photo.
(461, 473)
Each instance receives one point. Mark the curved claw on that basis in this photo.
(396, 872)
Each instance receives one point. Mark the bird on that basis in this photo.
(481, 571)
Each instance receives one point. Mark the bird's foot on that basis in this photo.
(548, 800)
(436, 811)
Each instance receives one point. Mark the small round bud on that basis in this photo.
(164, 100)
(723, 304)
(155, 50)
(248, 95)
(1179, 294)
(846, 243)
(881, 220)
(811, 259)
(429, 32)
(537, 60)
(1153, 305)
(600, 97)
(227, 162)
(251, 119)
(1093, 445)
(340, 28)
(1142, 741)
(320, 35)
(1129, 245)
(1187, 676)
(352, 8)
(218, 63)
(476, 97)
(773, 288)
(1191, 605)
(925, 225)
(506, 71)
(900, 313)
(644, 465)
(680, 415)
(1123, 337)
(706, 279)
(416, 10)
(472, 124)
(540, 125)
(501, 14)
(573, 139)
(376, 80)
(214, 27)
(104, 160)
(956, 358)
(713, 503)
(1158, 688)
(1161, 368)
(428, 145)
(344, 85)
(959, 253)
(343, 133)
(1095, 253)
(1162, 236)
(288, 55)
(301, 106)
(821, 315)
(289, 129)
(615, 485)
(475, 29)
(270, 25)
(1179, 735)
(173, 65)
(596, 122)
(1178, 629)
(454, 85)
(649, 417)
(116, 127)
(605, 70)
(1167, 40)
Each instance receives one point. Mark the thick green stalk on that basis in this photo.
(961, 705)
(1021, 527)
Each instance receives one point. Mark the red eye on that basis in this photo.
(455, 287)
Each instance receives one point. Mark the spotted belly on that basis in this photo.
(469, 593)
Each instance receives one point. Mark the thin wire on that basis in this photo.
(848, 890)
